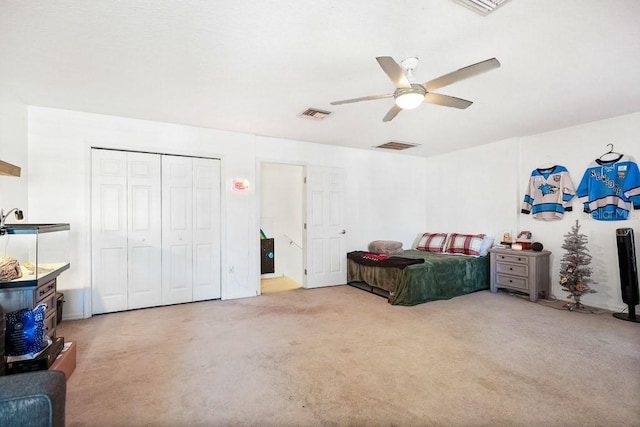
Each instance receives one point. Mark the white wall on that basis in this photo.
(389, 196)
(480, 190)
(575, 148)
(59, 183)
(383, 203)
(385, 191)
(474, 190)
(13, 149)
(281, 203)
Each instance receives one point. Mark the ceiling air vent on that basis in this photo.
(314, 113)
(483, 7)
(394, 145)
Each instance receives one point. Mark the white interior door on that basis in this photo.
(206, 223)
(109, 230)
(177, 229)
(325, 234)
(144, 233)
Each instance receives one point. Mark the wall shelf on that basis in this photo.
(7, 169)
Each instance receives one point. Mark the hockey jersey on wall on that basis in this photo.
(611, 187)
(549, 193)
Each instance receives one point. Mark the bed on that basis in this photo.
(432, 276)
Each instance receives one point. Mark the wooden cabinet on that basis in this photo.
(524, 271)
(41, 292)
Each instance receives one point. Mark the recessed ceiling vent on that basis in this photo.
(398, 146)
(483, 7)
(314, 113)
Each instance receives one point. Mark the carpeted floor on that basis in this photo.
(278, 284)
(341, 356)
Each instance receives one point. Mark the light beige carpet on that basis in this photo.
(278, 284)
(341, 356)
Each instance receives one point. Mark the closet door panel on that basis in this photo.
(145, 230)
(177, 229)
(109, 280)
(206, 190)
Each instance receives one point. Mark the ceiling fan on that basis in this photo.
(410, 94)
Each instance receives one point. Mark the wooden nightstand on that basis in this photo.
(524, 271)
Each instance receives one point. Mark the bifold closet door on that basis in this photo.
(206, 227)
(144, 241)
(177, 229)
(190, 229)
(125, 219)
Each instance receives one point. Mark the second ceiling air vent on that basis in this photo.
(394, 145)
(314, 113)
(483, 7)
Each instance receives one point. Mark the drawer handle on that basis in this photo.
(510, 281)
(519, 259)
(511, 268)
(44, 291)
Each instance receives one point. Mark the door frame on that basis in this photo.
(259, 184)
(88, 296)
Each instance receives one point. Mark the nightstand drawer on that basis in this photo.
(518, 259)
(512, 282)
(513, 269)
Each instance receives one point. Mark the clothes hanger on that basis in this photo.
(615, 153)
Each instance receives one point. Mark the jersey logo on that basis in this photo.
(610, 183)
(547, 189)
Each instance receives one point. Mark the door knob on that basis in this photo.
(343, 232)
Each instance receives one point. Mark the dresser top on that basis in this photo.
(524, 252)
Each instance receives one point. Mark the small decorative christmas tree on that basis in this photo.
(575, 273)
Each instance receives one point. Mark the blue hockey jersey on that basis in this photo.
(611, 188)
(548, 193)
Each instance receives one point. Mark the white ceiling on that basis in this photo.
(254, 66)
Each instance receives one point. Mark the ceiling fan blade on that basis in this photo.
(446, 100)
(392, 113)
(461, 74)
(394, 71)
(364, 98)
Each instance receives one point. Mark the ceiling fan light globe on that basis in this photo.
(409, 101)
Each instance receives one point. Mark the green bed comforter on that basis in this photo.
(441, 277)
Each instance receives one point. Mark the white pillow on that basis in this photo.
(487, 243)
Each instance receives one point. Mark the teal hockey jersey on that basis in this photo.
(549, 193)
(610, 188)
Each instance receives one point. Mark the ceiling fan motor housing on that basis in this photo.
(415, 88)
(411, 97)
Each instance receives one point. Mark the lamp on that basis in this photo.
(409, 100)
(3, 216)
(241, 185)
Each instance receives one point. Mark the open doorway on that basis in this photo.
(281, 219)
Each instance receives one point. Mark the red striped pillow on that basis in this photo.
(432, 242)
(467, 244)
